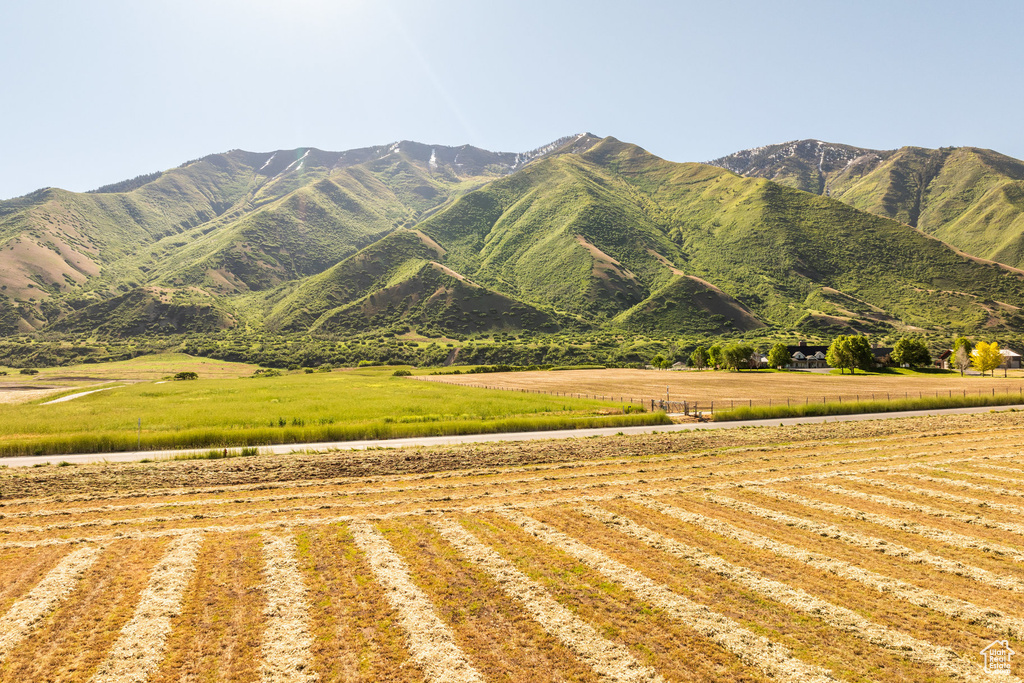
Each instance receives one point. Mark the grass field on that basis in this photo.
(733, 389)
(877, 551)
(292, 408)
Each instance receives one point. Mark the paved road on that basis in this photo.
(486, 438)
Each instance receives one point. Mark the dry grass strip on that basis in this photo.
(21, 568)
(431, 642)
(929, 510)
(41, 600)
(218, 634)
(71, 642)
(286, 640)
(773, 659)
(611, 661)
(840, 618)
(139, 648)
(985, 488)
(951, 538)
(890, 587)
(941, 495)
(874, 544)
(356, 634)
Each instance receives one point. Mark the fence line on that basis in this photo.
(707, 406)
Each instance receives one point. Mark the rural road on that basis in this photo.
(131, 456)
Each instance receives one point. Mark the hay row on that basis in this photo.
(874, 544)
(643, 468)
(44, 597)
(65, 526)
(929, 510)
(138, 650)
(611, 661)
(430, 641)
(985, 488)
(888, 586)
(770, 657)
(286, 639)
(495, 471)
(952, 538)
(942, 495)
(840, 618)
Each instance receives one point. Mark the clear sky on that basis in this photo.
(100, 91)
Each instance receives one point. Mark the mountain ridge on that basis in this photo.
(583, 233)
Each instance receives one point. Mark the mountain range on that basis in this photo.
(584, 233)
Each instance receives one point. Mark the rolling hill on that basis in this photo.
(970, 198)
(582, 234)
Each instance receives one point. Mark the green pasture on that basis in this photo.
(343, 405)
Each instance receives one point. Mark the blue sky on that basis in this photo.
(96, 92)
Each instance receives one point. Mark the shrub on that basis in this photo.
(401, 373)
(29, 371)
(186, 375)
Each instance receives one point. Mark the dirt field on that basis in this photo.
(874, 551)
(733, 388)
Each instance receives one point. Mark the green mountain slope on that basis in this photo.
(970, 198)
(619, 221)
(584, 233)
(225, 223)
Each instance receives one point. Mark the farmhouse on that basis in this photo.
(804, 357)
(1011, 359)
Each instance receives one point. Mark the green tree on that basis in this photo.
(840, 354)
(715, 359)
(737, 356)
(986, 357)
(912, 352)
(863, 359)
(699, 358)
(778, 356)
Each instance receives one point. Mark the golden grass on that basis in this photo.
(728, 388)
(506, 643)
(835, 638)
(672, 648)
(74, 640)
(503, 561)
(217, 635)
(21, 568)
(356, 635)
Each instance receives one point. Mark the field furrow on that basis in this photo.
(924, 510)
(218, 630)
(431, 642)
(955, 502)
(887, 587)
(874, 544)
(22, 568)
(356, 632)
(773, 659)
(913, 528)
(140, 647)
(840, 618)
(25, 614)
(962, 484)
(71, 642)
(611, 661)
(286, 638)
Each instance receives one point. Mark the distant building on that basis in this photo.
(1011, 359)
(804, 357)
